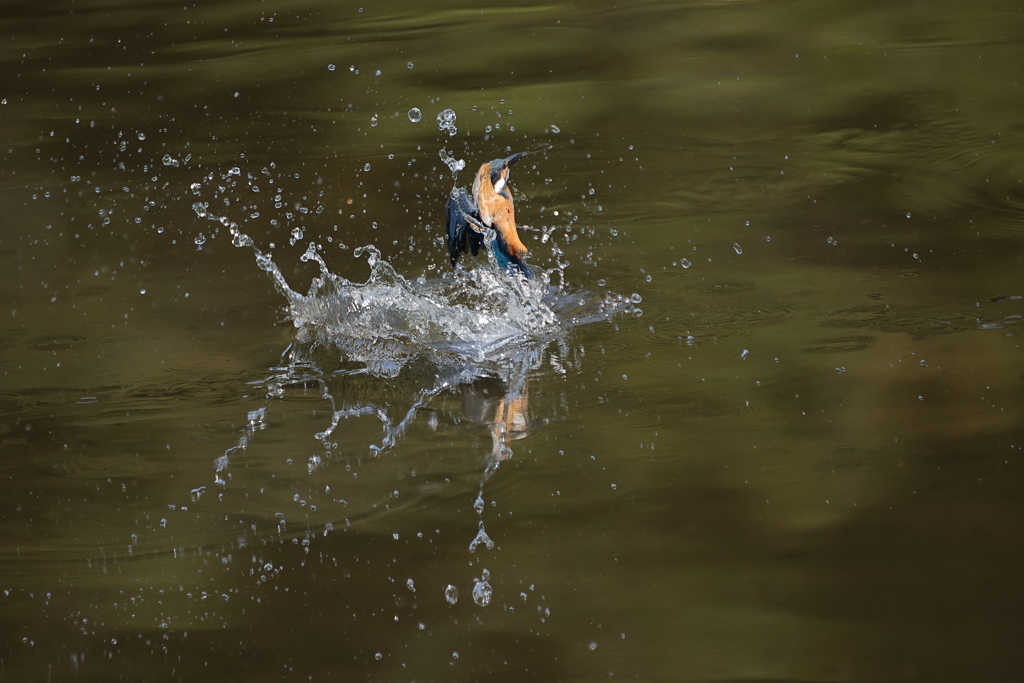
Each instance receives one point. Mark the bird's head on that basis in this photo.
(495, 174)
(499, 171)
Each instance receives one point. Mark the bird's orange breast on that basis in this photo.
(496, 210)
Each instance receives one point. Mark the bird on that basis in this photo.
(488, 208)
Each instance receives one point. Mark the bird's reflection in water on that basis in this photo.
(493, 395)
(502, 408)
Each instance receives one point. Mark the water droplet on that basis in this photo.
(446, 121)
(908, 214)
(451, 594)
(142, 136)
(366, 166)
(331, 67)
(592, 646)
(685, 263)
(378, 656)
(555, 129)
(744, 354)
(737, 248)
(409, 65)
(482, 591)
(415, 115)
(200, 239)
(373, 121)
(455, 165)
(410, 585)
(481, 538)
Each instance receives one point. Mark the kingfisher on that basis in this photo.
(489, 208)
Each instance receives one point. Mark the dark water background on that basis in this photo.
(802, 462)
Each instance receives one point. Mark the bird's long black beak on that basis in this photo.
(514, 158)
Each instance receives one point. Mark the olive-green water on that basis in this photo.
(799, 459)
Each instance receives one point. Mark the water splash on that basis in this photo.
(477, 320)
(443, 333)
(388, 348)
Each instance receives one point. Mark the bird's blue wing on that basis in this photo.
(465, 230)
(466, 234)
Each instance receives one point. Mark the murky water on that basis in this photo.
(758, 417)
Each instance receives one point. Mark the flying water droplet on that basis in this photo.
(451, 594)
(482, 591)
(446, 121)
(481, 539)
(415, 115)
(373, 121)
(685, 263)
(737, 248)
(455, 165)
